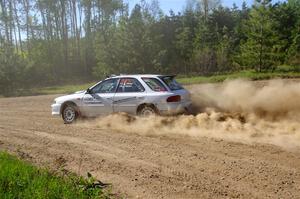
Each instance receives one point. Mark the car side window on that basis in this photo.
(155, 84)
(130, 85)
(107, 86)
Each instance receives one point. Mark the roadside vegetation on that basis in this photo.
(46, 43)
(19, 179)
(251, 75)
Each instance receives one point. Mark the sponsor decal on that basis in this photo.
(92, 101)
(98, 101)
(124, 100)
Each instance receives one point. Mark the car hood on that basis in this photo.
(71, 97)
(78, 92)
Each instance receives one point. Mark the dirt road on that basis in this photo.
(145, 165)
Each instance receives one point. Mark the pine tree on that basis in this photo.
(260, 51)
(293, 55)
(224, 50)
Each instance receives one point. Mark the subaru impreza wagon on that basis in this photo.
(134, 94)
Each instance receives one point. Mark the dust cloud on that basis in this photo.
(244, 111)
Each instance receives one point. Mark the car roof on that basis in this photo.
(133, 76)
(137, 75)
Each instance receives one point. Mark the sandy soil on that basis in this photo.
(148, 166)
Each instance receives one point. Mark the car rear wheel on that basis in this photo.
(69, 114)
(147, 111)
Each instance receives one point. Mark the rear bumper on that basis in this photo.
(55, 109)
(174, 108)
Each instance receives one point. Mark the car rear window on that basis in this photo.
(171, 82)
(154, 84)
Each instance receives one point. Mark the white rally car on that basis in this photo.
(134, 94)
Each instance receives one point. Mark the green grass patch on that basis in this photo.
(251, 75)
(61, 89)
(19, 179)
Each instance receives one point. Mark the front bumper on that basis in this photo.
(174, 108)
(55, 109)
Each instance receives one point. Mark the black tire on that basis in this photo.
(147, 111)
(69, 114)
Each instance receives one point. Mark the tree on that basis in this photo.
(260, 50)
(293, 51)
(11, 71)
(53, 42)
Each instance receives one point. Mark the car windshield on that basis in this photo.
(171, 82)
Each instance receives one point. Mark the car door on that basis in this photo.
(129, 95)
(99, 101)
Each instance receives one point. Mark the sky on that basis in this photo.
(177, 5)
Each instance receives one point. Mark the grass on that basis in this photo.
(19, 179)
(243, 74)
(61, 89)
(252, 75)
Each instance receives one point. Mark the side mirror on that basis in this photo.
(88, 91)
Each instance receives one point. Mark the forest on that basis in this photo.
(45, 42)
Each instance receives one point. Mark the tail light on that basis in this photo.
(176, 98)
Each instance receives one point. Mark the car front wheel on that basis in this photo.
(69, 114)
